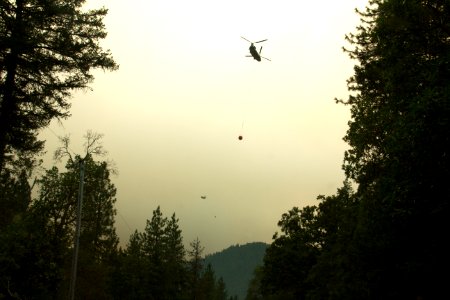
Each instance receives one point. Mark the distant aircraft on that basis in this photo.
(254, 53)
(203, 197)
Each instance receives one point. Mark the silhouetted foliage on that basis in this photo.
(154, 265)
(208, 284)
(37, 242)
(386, 240)
(399, 147)
(291, 255)
(254, 287)
(221, 290)
(47, 49)
(28, 266)
(15, 196)
(195, 267)
(335, 271)
(129, 275)
(174, 260)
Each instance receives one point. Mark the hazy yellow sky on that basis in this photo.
(171, 115)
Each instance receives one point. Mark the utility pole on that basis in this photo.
(76, 243)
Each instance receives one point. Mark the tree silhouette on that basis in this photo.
(47, 49)
(385, 240)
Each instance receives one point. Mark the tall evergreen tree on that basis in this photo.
(152, 266)
(207, 284)
(154, 248)
(399, 142)
(154, 260)
(129, 275)
(254, 286)
(195, 267)
(174, 260)
(135, 266)
(47, 49)
(221, 290)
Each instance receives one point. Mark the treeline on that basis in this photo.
(155, 265)
(387, 237)
(37, 239)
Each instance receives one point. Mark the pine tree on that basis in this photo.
(129, 278)
(195, 267)
(174, 260)
(221, 290)
(207, 284)
(47, 49)
(153, 248)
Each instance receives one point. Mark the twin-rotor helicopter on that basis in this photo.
(254, 53)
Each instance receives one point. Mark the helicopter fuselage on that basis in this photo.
(254, 53)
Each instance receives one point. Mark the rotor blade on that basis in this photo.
(245, 39)
(265, 58)
(261, 41)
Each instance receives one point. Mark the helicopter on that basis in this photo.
(255, 54)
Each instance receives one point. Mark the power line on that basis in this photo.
(123, 219)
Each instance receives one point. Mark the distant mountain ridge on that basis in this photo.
(236, 265)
